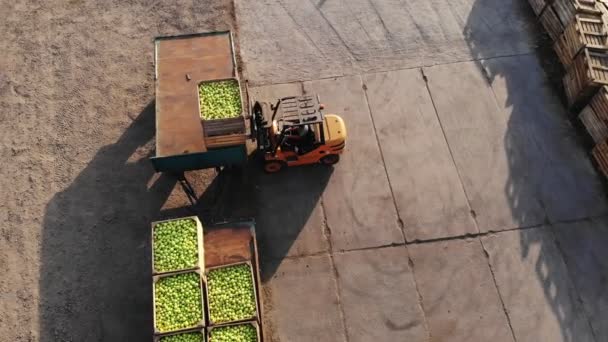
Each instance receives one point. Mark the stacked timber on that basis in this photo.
(551, 22)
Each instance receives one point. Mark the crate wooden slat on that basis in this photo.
(587, 73)
(596, 128)
(225, 140)
(223, 126)
(581, 33)
(567, 9)
(599, 103)
(538, 6)
(551, 23)
(600, 154)
(603, 7)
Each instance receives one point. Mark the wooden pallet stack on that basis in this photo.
(580, 33)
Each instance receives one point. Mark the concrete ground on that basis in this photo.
(465, 207)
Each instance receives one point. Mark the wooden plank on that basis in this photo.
(181, 63)
(537, 6)
(551, 23)
(225, 140)
(600, 154)
(599, 103)
(595, 127)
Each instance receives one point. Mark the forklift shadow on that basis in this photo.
(94, 261)
(284, 205)
(289, 220)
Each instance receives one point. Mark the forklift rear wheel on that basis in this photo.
(330, 159)
(273, 166)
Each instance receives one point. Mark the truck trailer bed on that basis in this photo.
(182, 62)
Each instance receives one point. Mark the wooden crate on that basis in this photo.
(581, 33)
(252, 323)
(215, 127)
(538, 6)
(587, 73)
(595, 126)
(199, 325)
(600, 154)
(200, 265)
(255, 293)
(567, 9)
(599, 103)
(551, 23)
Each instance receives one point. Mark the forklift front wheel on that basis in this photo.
(330, 159)
(273, 166)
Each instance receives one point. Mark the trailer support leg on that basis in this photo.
(188, 189)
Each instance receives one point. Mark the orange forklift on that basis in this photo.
(294, 131)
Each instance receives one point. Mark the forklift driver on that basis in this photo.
(299, 139)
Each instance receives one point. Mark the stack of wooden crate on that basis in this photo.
(207, 283)
(580, 35)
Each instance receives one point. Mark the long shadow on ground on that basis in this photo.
(95, 266)
(547, 165)
(285, 207)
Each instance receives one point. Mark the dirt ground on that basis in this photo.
(78, 193)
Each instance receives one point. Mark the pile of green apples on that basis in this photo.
(231, 294)
(186, 337)
(220, 100)
(175, 245)
(234, 333)
(178, 302)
